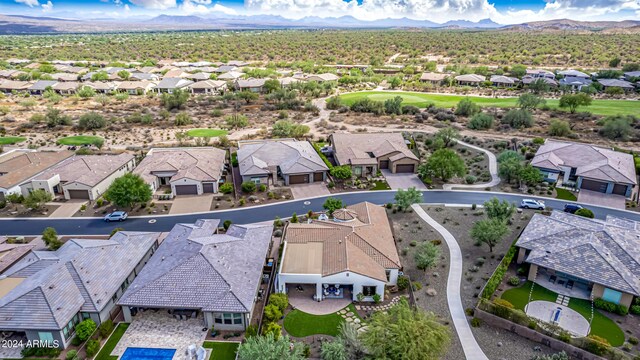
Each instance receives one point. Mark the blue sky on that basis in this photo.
(501, 11)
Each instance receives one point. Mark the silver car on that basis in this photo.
(116, 216)
(532, 204)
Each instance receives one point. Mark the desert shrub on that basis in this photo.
(85, 328)
(280, 300)
(514, 280)
(481, 121)
(92, 348)
(403, 282)
(182, 119)
(226, 188)
(633, 340)
(559, 128)
(91, 121)
(475, 322)
(585, 213)
(40, 352)
(248, 187)
(518, 118)
(71, 355)
(470, 179)
(596, 344)
(466, 107)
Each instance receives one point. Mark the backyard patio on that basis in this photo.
(301, 298)
(563, 285)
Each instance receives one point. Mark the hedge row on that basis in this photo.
(498, 275)
(605, 305)
(322, 156)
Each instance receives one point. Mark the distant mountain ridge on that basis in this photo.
(20, 24)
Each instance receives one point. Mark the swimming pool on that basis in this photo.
(133, 353)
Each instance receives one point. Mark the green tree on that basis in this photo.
(50, 238)
(285, 129)
(448, 136)
(280, 300)
(248, 187)
(247, 96)
(531, 175)
(86, 92)
(272, 313)
(481, 121)
(332, 204)
(405, 198)
(342, 172)
(54, 118)
(501, 210)
(466, 107)
(128, 191)
(573, 101)
(100, 76)
(270, 348)
(518, 118)
(617, 127)
(427, 255)
(405, 333)
(529, 101)
(445, 164)
(85, 328)
(271, 85)
(91, 121)
(37, 198)
(272, 328)
(124, 74)
(559, 128)
(518, 70)
(393, 105)
(539, 86)
(236, 121)
(510, 169)
(176, 100)
(334, 350)
(395, 82)
(92, 347)
(489, 231)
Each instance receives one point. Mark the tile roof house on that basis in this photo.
(586, 166)
(368, 153)
(12, 253)
(592, 258)
(20, 165)
(575, 82)
(40, 86)
(529, 79)
(434, 78)
(470, 79)
(323, 77)
(253, 85)
(632, 75)
(47, 293)
(226, 69)
(574, 74)
(66, 88)
(540, 73)
(169, 85)
(81, 176)
(231, 75)
(208, 87)
(354, 251)
(8, 86)
(136, 87)
(503, 81)
(624, 85)
(199, 270)
(188, 171)
(265, 161)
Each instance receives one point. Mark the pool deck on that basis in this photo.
(161, 331)
(569, 319)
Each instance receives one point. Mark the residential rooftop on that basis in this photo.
(364, 149)
(292, 156)
(21, 165)
(192, 163)
(89, 170)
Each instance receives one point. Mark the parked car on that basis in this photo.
(532, 204)
(116, 216)
(572, 208)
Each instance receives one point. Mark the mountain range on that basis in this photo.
(19, 24)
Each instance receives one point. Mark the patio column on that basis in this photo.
(533, 272)
(319, 291)
(127, 314)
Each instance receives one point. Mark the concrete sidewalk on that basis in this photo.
(472, 350)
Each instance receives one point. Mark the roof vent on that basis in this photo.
(51, 287)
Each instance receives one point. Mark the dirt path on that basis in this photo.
(392, 58)
(493, 170)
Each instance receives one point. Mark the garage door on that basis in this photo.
(186, 189)
(406, 168)
(318, 176)
(78, 194)
(620, 189)
(384, 164)
(207, 187)
(593, 185)
(299, 179)
(1, 196)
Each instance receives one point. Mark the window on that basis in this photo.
(388, 272)
(256, 180)
(357, 170)
(228, 318)
(611, 295)
(369, 290)
(46, 337)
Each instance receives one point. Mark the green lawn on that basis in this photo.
(598, 107)
(564, 194)
(10, 140)
(79, 140)
(301, 324)
(381, 185)
(601, 325)
(206, 132)
(222, 350)
(112, 342)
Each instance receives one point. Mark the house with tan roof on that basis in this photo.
(433, 78)
(208, 87)
(470, 79)
(136, 87)
(323, 77)
(19, 165)
(81, 176)
(368, 153)
(352, 253)
(268, 161)
(46, 294)
(186, 171)
(587, 167)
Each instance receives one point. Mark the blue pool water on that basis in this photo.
(147, 354)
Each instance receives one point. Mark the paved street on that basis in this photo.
(89, 226)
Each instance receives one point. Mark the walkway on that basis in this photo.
(68, 208)
(472, 350)
(493, 170)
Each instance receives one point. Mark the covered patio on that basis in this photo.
(563, 284)
(303, 297)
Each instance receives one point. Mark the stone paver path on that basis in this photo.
(351, 317)
(493, 170)
(383, 307)
(472, 350)
(159, 330)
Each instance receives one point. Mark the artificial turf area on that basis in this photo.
(564, 194)
(301, 324)
(206, 132)
(221, 350)
(598, 107)
(80, 140)
(10, 140)
(601, 325)
(112, 342)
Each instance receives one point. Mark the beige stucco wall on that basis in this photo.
(533, 271)
(404, 161)
(521, 255)
(598, 291)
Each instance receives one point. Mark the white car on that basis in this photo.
(532, 204)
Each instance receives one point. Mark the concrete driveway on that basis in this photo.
(185, 204)
(403, 180)
(68, 208)
(600, 199)
(303, 191)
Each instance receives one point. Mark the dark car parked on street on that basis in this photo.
(572, 208)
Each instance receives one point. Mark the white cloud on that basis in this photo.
(443, 10)
(47, 7)
(155, 4)
(126, 8)
(198, 7)
(29, 3)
